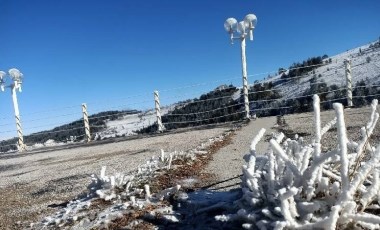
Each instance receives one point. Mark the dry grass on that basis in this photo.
(194, 170)
(181, 170)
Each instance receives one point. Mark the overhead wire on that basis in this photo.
(203, 112)
(201, 120)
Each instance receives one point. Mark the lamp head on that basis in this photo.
(230, 25)
(2, 81)
(241, 28)
(250, 22)
(16, 77)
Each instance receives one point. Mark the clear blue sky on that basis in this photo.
(74, 51)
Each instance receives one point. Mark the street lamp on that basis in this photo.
(240, 31)
(16, 77)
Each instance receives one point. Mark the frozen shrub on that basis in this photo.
(295, 185)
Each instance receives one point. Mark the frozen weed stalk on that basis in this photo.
(124, 192)
(295, 185)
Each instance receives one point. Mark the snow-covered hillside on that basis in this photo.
(128, 125)
(365, 63)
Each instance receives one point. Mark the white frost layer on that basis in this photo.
(296, 186)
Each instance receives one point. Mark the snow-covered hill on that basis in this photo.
(365, 63)
(128, 125)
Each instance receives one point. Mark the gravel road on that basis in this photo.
(227, 162)
(30, 181)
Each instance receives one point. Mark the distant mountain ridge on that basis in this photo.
(70, 132)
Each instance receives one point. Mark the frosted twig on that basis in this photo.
(328, 126)
(342, 137)
(256, 140)
(280, 152)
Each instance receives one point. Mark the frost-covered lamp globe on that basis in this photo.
(250, 22)
(241, 28)
(2, 81)
(230, 27)
(16, 77)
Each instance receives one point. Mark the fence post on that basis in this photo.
(347, 64)
(86, 122)
(158, 111)
(245, 78)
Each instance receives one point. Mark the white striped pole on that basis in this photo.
(158, 111)
(21, 146)
(245, 78)
(347, 64)
(86, 122)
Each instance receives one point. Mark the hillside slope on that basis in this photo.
(365, 64)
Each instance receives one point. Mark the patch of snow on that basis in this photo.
(128, 125)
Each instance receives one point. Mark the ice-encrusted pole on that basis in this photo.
(347, 64)
(158, 111)
(245, 78)
(21, 146)
(86, 122)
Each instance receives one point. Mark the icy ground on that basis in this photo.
(293, 185)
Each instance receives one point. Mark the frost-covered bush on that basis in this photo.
(295, 185)
(124, 192)
(120, 186)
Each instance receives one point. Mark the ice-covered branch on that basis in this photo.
(256, 140)
(281, 153)
(342, 145)
(317, 125)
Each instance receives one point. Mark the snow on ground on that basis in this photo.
(237, 94)
(128, 125)
(334, 72)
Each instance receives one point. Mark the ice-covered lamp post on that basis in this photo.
(240, 31)
(16, 77)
